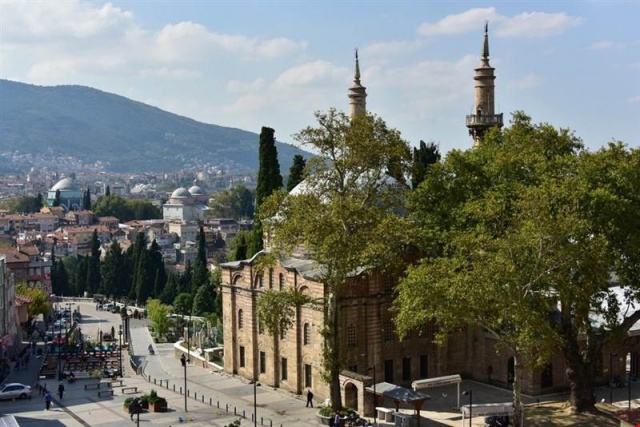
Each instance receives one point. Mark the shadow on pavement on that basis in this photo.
(26, 421)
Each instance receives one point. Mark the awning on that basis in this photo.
(436, 382)
(395, 392)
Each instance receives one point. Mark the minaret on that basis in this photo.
(484, 116)
(357, 93)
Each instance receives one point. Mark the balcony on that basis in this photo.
(478, 120)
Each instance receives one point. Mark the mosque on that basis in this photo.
(71, 197)
(367, 338)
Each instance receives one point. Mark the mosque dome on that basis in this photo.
(196, 191)
(64, 184)
(180, 192)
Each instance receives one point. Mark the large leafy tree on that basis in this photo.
(159, 315)
(236, 202)
(269, 180)
(39, 303)
(24, 204)
(513, 230)
(350, 203)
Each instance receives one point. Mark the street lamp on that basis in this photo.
(183, 361)
(611, 356)
(375, 411)
(255, 402)
(470, 394)
(120, 336)
(59, 350)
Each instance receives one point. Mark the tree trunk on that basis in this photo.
(517, 391)
(331, 359)
(579, 369)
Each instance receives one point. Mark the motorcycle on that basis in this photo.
(496, 421)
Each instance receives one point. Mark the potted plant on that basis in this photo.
(157, 403)
(127, 403)
(325, 414)
(144, 400)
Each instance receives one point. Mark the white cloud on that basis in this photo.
(527, 82)
(463, 22)
(528, 24)
(536, 24)
(606, 45)
(170, 73)
(239, 86)
(23, 21)
(635, 99)
(311, 73)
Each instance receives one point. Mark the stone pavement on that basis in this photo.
(215, 397)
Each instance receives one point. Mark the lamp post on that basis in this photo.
(611, 356)
(629, 388)
(255, 403)
(375, 396)
(183, 361)
(470, 394)
(120, 336)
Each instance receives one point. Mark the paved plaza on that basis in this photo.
(215, 398)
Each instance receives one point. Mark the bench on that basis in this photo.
(110, 392)
(91, 386)
(385, 414)
(111, 383)
(134, 389)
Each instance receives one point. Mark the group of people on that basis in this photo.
(47, 395)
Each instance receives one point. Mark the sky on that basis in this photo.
(247, 64)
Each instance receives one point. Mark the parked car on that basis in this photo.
(15, 390)
(59, 324)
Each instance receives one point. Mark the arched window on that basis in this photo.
(259, 281)
(306, 338)
(281, 281)
(271, 278)
(240, 319)
(351, 335)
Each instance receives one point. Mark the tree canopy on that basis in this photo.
(350, 203)
(518, 235)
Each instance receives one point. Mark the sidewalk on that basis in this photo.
(27, 374)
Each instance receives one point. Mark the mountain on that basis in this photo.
(125, 135)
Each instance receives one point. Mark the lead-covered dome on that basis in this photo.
(180, 192)
(64, 184)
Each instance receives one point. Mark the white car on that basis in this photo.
(60, 324)
(15, 390)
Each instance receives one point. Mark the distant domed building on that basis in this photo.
(71, 197)
(186, 205)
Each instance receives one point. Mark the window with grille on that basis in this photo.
(271, 278)
(406, 368)
(281, 281)
(424, 366)
(306, 334)
(240, 319)
(351, 336)
(388, 331)
(263, 362)
(285, 374)
(242, 356)
(307, 376)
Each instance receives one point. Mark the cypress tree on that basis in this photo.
(423, 157)
(296, 172)
(200, 272)
(56, 199)
(107, 192)
(269, 180)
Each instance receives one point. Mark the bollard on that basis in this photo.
(270, 423)
(261, 422)
(195, 395)
(226, 408)
(174, 387)
(180, 389)
(188, 393)
(203, 398)
(218, 404)
(154, 381)
(209, 401)
(235, 411)
(244, 415)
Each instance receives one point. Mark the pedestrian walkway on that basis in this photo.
(26, 374)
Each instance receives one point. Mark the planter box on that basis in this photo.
(158, 407)
(323, 420)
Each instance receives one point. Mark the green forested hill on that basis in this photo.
(126, 135)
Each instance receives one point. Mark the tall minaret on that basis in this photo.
(357, 93)
(484, 116)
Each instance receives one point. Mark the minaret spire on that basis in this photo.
(484, 117)
(357, 93)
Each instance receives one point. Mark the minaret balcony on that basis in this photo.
(483, 120)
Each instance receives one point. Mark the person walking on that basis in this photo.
(61, 390)
(133, 408)
(47, 400)
(309, 398)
